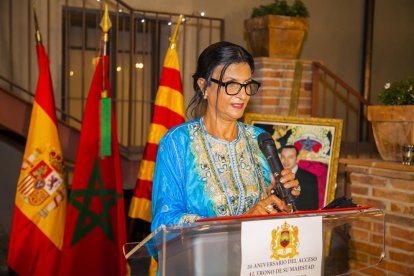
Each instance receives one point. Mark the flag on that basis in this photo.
(40, 206)
(95, 224)
(168, 112)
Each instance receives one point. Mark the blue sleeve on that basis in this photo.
(168, 191)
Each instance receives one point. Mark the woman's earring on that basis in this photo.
(205, 96)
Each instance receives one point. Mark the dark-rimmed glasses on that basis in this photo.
(233, 88)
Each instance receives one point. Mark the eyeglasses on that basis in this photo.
(233, 88)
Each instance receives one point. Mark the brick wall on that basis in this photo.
(388, 186)
(276, 76)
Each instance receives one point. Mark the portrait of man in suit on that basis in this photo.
(308, 199)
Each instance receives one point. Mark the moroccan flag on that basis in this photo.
(168, 112)
(40, 204)
(95, 224)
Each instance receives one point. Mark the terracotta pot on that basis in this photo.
(393, 126)
(275, 36)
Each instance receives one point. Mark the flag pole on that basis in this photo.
(174, 36)
(38, 35)
(105, 26)
(105, 103)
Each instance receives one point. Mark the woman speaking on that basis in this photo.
(212, 166)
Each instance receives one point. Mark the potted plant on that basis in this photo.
(277, 29)
(393, 122)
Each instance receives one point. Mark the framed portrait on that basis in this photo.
(316, 142)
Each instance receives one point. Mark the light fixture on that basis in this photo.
(143, 20)
(71, 73)
(118, 69)
(169, 23)
(139, 65)
(199, 13)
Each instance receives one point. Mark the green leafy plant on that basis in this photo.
(400, 92)
(281, 7)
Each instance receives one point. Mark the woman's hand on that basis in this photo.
(288, 180)
(266, 206)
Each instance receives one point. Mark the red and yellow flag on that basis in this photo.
(168, 112)
(95, 229)
(40, 204)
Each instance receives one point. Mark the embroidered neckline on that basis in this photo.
(240, 184)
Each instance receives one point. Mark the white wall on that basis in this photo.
(334, 37)
(393, 53)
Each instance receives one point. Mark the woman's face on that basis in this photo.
(220, 104)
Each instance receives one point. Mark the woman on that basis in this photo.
(212, 166)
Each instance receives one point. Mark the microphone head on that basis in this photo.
(268, 147)
(265, 140)
(264, 136)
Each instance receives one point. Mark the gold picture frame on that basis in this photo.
(317, 139)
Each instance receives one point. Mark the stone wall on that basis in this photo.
(388, 186)
(276, 76)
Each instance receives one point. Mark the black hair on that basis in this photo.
(290, 147)
(220, 53)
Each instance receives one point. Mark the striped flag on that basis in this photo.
(168, 112)
(40, 204)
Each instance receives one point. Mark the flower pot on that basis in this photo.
(393, 126)
(275, 36)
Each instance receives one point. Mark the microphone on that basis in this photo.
(268, 148)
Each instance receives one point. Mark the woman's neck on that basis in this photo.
(220, 128)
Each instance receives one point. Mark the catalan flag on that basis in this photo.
(95, 231)
(40, 205)
(168, 112)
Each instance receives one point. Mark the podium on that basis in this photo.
(213, 246)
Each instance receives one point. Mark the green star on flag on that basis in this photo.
(88, 219)
(95, 231)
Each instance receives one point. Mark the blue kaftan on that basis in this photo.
(200, 176)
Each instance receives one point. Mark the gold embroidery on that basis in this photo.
(238, 177)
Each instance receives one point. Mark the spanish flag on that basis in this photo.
(168, 112)
(40, 204)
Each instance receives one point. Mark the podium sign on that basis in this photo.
(219, 247)
(288, 246)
